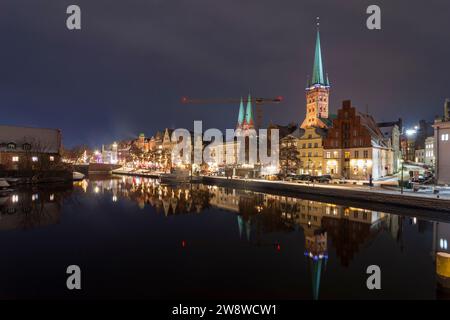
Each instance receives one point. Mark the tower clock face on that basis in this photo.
(212, 154)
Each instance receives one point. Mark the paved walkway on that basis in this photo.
(375, 189)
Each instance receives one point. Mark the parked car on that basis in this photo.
(326, 178)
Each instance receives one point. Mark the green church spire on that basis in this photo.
(241, 113)
(317, 75)
(249, 112)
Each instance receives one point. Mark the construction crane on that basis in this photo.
(257, 101)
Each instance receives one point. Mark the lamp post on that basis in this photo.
(401, 182)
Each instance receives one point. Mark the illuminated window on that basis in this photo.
(15, 159)
(444, 137)
(347, 155)
(52, 158)
(328, 154)
(34, 159)
(443, 244)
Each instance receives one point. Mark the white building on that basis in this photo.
(419, 156)
(429, 152)
(109, 153)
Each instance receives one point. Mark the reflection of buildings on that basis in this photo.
(261, 216)
(27, 210)
(171, 200)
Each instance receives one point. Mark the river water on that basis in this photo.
(134, 238)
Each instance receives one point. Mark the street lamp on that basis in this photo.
(401, 182)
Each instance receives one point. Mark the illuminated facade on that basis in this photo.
(355, 147)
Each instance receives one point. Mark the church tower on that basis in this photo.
(249, 123)
(241, 116)
(317, 92)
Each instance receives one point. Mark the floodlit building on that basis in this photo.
(355, 148)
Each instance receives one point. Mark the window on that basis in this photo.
(309, 145)
(34, 159)
(304, 146)
(51, 158)
(366, 154)
(15, 159)
(443, 244)
(347, 155)
(26, 146)
(11, 145)
(356, 154)
(328, 154)
(316, 145)
(444, 137)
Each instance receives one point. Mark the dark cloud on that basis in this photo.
(125, 72)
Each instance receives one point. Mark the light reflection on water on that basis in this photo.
(274, 246)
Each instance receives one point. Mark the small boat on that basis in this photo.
(77, 176)
(4, 184)
(4, 187)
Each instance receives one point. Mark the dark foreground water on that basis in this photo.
(134, 238)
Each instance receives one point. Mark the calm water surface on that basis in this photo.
(135, 238)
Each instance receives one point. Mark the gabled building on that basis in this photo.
(355, 148)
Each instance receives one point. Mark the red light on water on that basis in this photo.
(280, 98)
(184, 99)
(183, 243)
(278, 247)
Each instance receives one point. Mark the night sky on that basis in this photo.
(126, 70)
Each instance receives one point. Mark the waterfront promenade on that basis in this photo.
(379, 196)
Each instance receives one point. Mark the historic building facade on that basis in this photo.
(24, 148)
(355, 147)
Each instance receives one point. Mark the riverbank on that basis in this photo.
(137, 173)
(374, 198)
(341, 194)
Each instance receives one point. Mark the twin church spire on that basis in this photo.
(245, 118)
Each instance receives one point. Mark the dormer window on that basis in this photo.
(11, 146)
(26, 146)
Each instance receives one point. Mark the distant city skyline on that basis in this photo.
(125, 72)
